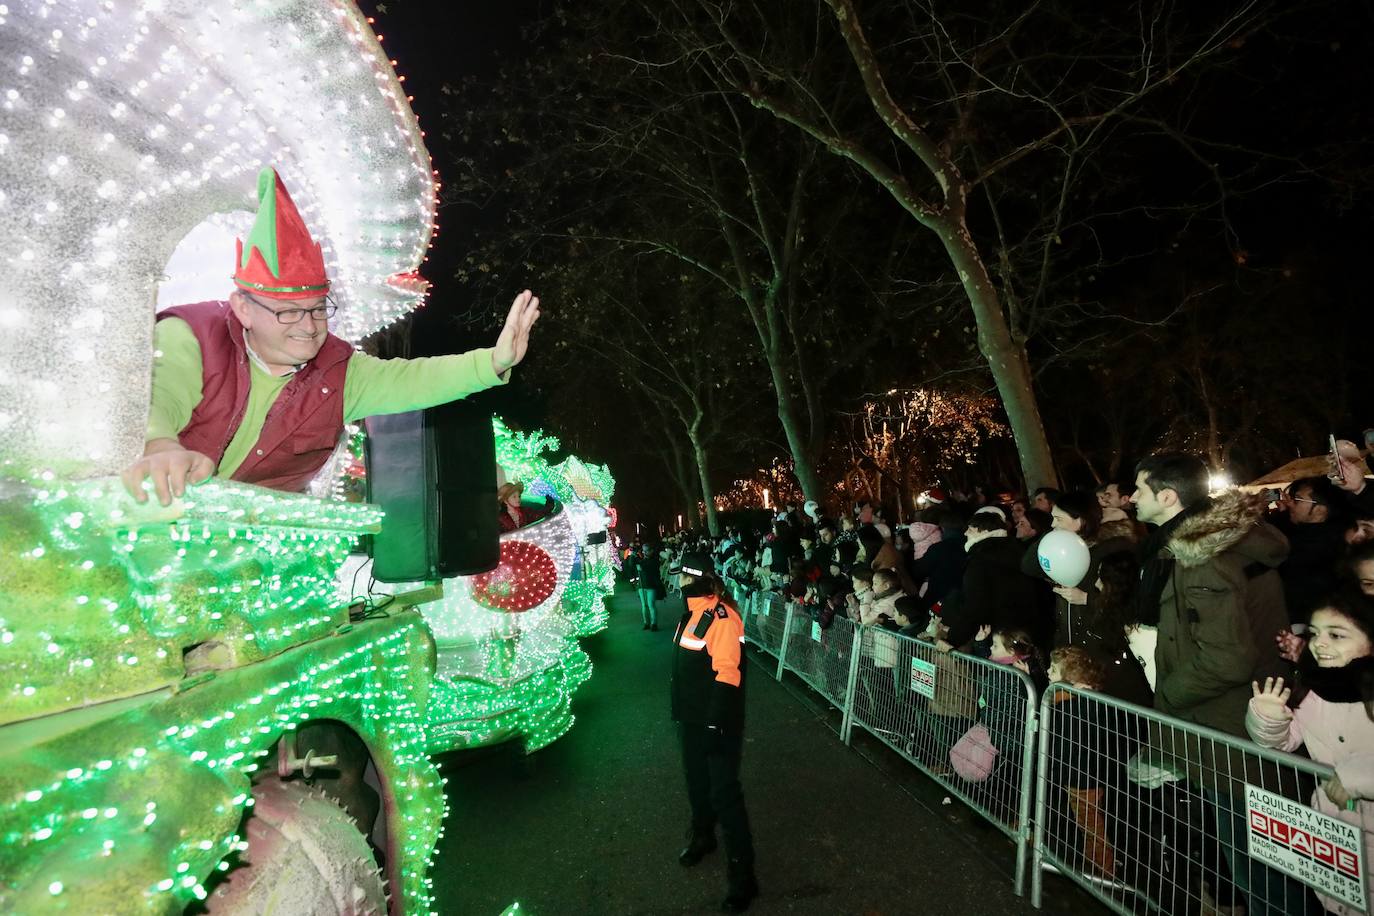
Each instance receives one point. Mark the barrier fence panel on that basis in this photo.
(821, 657)
(966, 722)
(1154, 815)
(770, 612)
(746, 600)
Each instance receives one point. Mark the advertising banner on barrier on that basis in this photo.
(1320, 851)
(923, 677)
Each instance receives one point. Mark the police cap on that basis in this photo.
(697, 564)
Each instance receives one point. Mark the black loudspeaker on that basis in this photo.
(434, 474)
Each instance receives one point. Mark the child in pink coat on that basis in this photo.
(1335, 719)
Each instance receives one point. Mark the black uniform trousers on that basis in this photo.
(711, 762)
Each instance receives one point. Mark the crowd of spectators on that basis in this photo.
(1248, 613)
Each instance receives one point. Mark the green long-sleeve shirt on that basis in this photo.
(372, 386)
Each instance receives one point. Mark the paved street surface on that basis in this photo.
(592, 824)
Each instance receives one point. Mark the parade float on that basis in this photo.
(508, 656)
(190, 711)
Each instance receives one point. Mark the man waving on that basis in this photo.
(256, 388)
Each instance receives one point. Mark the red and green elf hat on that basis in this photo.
(281, 260)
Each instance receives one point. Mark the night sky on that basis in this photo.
(1314, 228)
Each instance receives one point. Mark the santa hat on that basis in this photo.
(280, 259)
(936, 495)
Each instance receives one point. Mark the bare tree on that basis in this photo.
(981, 93)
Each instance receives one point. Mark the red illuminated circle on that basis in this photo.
(523, 579)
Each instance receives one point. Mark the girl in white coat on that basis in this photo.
(1335, 719)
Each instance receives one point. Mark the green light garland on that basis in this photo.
(506, 676)
(133, 781)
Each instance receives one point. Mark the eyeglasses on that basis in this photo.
(293, 316)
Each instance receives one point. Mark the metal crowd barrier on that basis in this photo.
(821, 657)
(1153, 815)
(1146, 813)
(967, 723)
(766, 625)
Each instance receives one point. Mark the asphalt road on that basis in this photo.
(592, 824)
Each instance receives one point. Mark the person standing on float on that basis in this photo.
(256, 388)
(708, 705)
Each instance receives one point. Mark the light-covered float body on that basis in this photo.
(508, 657)
(182, 690)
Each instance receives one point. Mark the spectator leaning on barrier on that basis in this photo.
(1217, 592)
(861, 598)
(880, 554)
(993, 592)
(1334, 719)
(1089, 763)
(1211, 571)
(1078, 512)
(925, 532)
(941, 570)
(1114, 636)
(886, 590)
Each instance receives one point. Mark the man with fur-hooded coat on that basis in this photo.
(1212, 566)
(1210, 571)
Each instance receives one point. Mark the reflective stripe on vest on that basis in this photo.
(688, 642)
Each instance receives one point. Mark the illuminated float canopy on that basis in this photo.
(184, 641)
(130, 138)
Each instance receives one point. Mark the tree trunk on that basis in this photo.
(707, 497)
(802, 464)
(686, 481)
(703, 472)
(1006, 358)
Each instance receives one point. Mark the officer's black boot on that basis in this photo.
(743, 887)
(700, 841)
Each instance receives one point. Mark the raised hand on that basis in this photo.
(1272, 699)
(1290, 645)
(515, 336)
(1348, 474)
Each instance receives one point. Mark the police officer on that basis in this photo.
(708, 705)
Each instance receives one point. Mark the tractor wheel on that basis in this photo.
(305, 857)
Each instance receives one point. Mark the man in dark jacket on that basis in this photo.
(994, 593)
(1220, 604)
(708, 704)
(1312, 515)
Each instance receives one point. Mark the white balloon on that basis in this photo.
(1064, 557)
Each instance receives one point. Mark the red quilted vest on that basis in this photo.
(302, 426)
